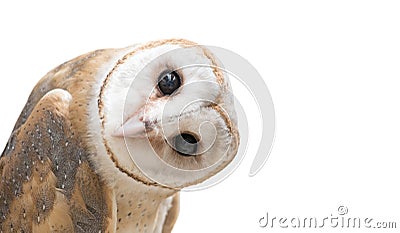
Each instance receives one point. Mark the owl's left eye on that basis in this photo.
(169, 82)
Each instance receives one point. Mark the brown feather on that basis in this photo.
(44, 172)
(48, 182)
(172, 215)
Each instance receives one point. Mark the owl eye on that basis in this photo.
(185, 144)
(169, 82)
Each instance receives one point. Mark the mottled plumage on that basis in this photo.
(63, 169)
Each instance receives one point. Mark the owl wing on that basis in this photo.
(47, 182)
(172, 215)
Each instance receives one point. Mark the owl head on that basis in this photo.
(167, 113)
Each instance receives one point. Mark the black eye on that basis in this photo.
(185, 144)
(169, 82)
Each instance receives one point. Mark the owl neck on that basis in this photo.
(138, 205)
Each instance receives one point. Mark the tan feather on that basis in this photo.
(39, 178)
(172, 215)
(60, 172)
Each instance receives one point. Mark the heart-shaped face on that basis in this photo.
(167, 114)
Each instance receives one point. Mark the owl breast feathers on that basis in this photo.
(106, 141)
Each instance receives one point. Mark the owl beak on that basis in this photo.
(134, 127)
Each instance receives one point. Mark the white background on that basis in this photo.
(332, 67)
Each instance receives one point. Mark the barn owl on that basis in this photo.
(106, 141)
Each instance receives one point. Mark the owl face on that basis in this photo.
(168, 114)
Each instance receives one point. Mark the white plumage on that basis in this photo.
(139, 124)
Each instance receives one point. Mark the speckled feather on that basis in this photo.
(48, 183)
(46, 170)
(56, 178)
